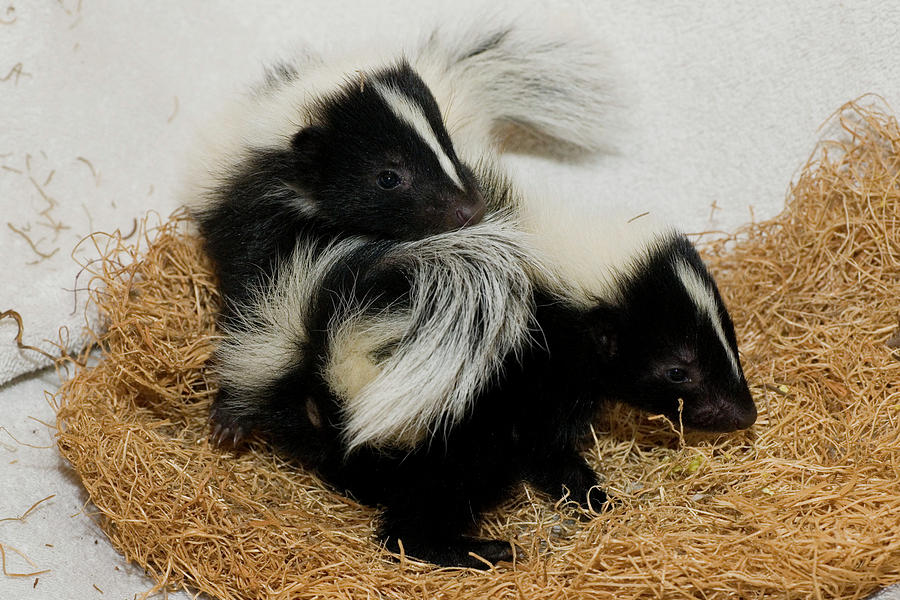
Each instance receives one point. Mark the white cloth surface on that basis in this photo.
(720, 104)
(58, 534)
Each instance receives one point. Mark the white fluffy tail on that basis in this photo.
(405, 375)
(516, 83)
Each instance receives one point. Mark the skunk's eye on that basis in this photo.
(388, 180)
(677, 375)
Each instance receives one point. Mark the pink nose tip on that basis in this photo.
(469, 215)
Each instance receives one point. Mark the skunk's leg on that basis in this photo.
(435, 534)
(431, 503)
(558, 472)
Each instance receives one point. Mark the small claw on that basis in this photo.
(226, 431)
(220, 435)
(216, 432)
(226, 436)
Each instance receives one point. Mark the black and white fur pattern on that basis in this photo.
(652, 289)
(634, 288)
(468, 306)
(301, 159)
(306, 149)
(602, 308)
(368, 157)
(429, 372)
(404, 334)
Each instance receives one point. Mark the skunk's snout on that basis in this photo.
(733, 419)
(745, 416)
(469, 215)
(456, 211)
(721, 414)
(470, 209)
(743, 409)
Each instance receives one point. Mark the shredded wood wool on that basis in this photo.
(806, 504)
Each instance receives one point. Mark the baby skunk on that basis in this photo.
(324, 152)
(431, 377)
(368, 157)
(629, 314)
(358, 145)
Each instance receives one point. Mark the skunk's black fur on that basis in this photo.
(361, 168)
(323, 152)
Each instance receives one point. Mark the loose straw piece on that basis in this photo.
(28, 512)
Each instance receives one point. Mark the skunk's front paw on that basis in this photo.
(226, 429)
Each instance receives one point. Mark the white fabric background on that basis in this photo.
(721, 103)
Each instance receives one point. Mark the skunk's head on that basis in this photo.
(378, 159)
(674, 340)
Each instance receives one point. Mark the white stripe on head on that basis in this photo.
(704, 299)
(410, 112)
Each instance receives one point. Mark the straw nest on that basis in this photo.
(806, 504)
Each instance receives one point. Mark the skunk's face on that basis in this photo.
(677, 342)
(689, 366)
(380, 161)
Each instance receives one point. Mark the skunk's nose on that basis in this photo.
(736, 413)
(745, 416)
(470, 214)
(743, 409)
(720, 413)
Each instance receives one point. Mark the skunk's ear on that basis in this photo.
(307, 147)
(603, 329)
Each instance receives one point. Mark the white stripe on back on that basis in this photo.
(705, 300)
(410, 112)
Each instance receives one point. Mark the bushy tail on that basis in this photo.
(469, 306)
(518, 84)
